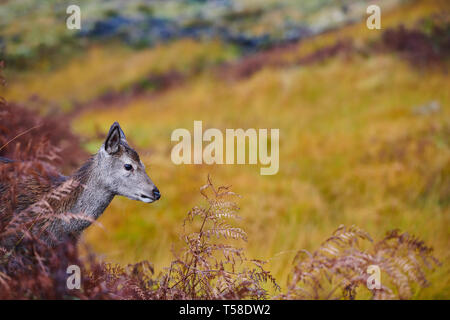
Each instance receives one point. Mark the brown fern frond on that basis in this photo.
(338, 268)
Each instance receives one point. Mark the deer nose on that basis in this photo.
(156, 194)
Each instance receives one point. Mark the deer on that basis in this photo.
(115, 170)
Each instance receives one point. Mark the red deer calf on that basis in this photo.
(114, 170)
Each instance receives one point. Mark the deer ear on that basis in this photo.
(112, 141)
(122, 135)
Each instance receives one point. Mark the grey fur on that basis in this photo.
(101, 178)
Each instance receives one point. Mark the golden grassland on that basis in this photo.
(347, 156)
(352, 151)
(104, 69)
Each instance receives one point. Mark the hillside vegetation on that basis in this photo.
(364, 139)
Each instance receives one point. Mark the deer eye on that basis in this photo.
(128, 167)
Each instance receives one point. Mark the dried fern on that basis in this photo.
(338, 269)
(210, 267)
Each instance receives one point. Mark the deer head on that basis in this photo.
(122, 171)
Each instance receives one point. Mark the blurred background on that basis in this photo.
(363, 114)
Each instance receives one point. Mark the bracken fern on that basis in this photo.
(338, 269)
(210, 267)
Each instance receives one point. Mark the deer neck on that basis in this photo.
(93, 196)
(90, 197)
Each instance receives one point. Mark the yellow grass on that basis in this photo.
(111, 68)
(336, 122)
